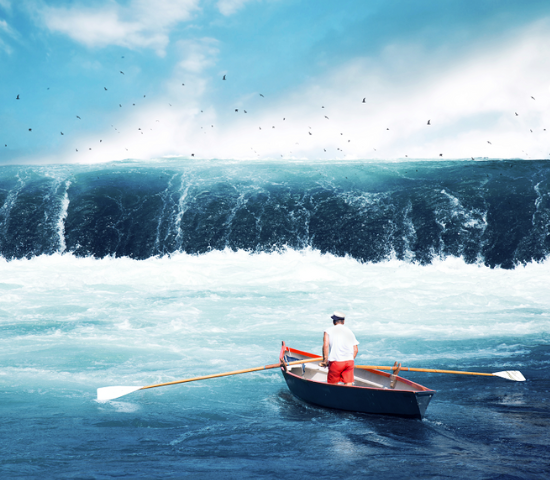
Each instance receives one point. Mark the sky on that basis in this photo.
(102, 80)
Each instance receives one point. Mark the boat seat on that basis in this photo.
(361, 381)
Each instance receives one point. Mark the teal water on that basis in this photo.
(70, 325)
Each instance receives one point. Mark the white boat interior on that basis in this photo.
(362, 378)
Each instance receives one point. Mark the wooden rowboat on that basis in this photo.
(373, 391)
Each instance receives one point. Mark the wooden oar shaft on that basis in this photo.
(235, 372)
(429, 370)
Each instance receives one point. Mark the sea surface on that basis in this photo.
(134, 273)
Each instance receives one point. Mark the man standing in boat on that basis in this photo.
(339, 351)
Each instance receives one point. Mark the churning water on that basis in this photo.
(132, 274)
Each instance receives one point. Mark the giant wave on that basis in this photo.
(495, 213)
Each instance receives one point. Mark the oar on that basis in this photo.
(514, 375)
(110, 393)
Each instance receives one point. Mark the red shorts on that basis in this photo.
(340, 372)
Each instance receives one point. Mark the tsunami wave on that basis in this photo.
(495, 213)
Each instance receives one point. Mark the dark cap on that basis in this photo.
(338, 316)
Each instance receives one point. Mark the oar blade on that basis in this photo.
(105, 394)
(514, 375)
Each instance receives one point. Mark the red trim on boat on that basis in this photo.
(284, 349)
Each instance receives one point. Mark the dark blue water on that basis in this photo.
(494, 212)
(475, 429)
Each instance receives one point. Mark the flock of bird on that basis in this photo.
(224, 78)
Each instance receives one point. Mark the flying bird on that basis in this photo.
(327, 117)
(78, 117)
(223, 77)
(429, 122)
(62, 133)
(261, 95)
(489, 142)
(532, 97)
(105, 88)
(17, 98)
(364, 100)
(516, 113)
(236, 109)
(122, 72)
(30, 129)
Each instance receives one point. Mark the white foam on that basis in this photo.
(100, 322)
(125, 407)
(62, 217)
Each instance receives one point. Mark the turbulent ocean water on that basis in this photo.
(135, 273)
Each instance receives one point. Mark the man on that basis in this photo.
(339, 351)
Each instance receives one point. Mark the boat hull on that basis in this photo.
(360, 399)
(373, 391)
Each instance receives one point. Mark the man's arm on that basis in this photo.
(355, 350)
(326, 348)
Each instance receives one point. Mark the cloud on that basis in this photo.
(471, 99)
(140, 24)
(229, 7)
(4, 46)
(197, 54)
(5, 29)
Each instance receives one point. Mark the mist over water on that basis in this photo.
(112, 276)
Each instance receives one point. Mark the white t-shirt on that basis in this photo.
(341, 341)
